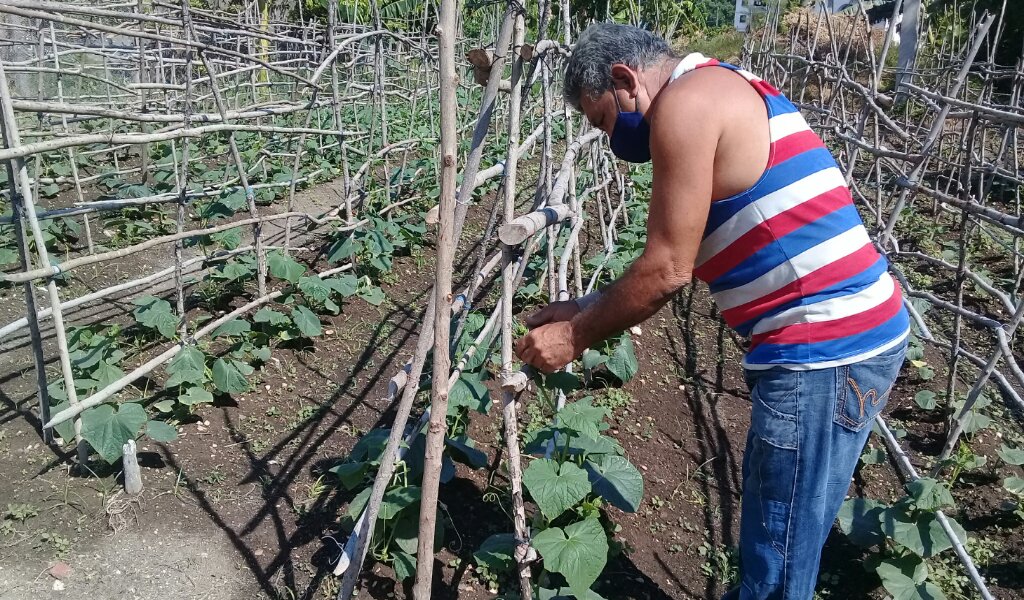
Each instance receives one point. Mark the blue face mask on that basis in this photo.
(631, 137)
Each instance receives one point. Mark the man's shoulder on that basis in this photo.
(707, 91)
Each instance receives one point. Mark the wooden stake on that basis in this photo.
(132, 474)
(442, 291)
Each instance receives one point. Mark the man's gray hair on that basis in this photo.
(602, 45)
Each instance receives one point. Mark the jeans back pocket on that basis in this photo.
(864, 387)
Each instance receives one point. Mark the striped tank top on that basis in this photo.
(789, 262)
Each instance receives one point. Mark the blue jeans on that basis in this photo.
(807, 430)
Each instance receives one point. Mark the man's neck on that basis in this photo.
(658, 76)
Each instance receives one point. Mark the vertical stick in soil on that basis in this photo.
(509, 412)
(442, 304)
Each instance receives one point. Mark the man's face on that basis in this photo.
(604, 110)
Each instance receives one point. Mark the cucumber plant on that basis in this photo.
(395, 533)
(906, 536)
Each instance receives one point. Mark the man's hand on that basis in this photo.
(549, 347)
(553, 313)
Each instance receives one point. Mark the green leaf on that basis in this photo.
(346, 285)
(232, 328)
(397, 499)
(371, 446)
(107, 430)
(463, 450)
(228, 376)
(84, 358)
(601, 444)
(593, 359)
(8, 256)
(905, 579)
(859, 520)
(579, 553)
(235, 270)
(164, 406)
(1014, 485)
(405, 565)
(106, 374)
(56, 390)
(1010, 455)
(355, 508)
(555, 487)
(229, 240)
(166, 324)
(929, 494)
(284, 267)
(873, 456)
(925, 399)
(269, 315)
(261, 353)
(159, 431)
(565, 594)
(66, 429)
(582, 417)
(497, 553)
(341, 249)
(616, 480)
(49, 190)
(470, 392)
(195, 395)
(567, 382)
(372, 294)
(350, 474)
(314, 288)
(407, 530)
(923, 536)
(974, 422)
(187, 366)
(307, 321)
(622, 362)
(155, 313)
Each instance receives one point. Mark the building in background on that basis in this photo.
(749, 11)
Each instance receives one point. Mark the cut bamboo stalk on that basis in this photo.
(520, 229)
(132, 473)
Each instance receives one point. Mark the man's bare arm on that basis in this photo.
(684, 140)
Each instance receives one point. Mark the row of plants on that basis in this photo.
(575, 472)
(266, 157)
(226, 362)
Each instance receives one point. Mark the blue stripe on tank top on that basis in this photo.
(780, 176)
(831, 349)
(785, 248)
(778, 105)
(846, 287)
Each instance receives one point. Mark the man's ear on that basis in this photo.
(625, 78)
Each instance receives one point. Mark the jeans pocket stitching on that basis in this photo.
(840, 412)
(871, 394)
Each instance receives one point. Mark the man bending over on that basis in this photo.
(746, 198)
